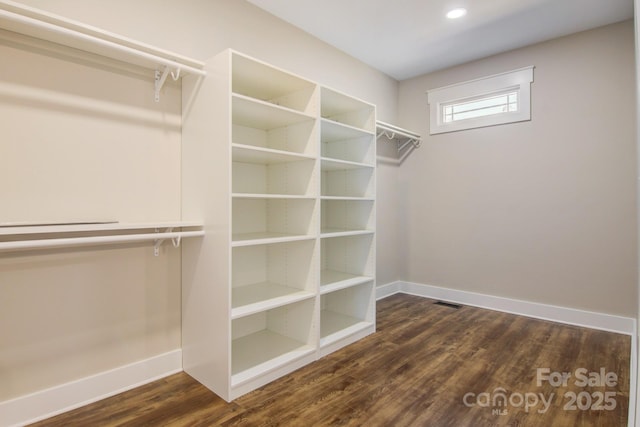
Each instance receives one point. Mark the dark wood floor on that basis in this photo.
(415, 371)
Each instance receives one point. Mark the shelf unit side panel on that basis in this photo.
(206, 299)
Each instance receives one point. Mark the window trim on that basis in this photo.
(516, 80)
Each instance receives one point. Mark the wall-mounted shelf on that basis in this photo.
(42, 25)
(15, 236)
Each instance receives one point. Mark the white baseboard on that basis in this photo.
(387, 290)
(571, 316)
(65, 397)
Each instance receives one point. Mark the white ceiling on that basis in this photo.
(406, 38)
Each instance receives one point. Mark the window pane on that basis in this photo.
(479, 113)
(480, 103)
(486, 106)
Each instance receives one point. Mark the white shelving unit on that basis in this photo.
(285, 173)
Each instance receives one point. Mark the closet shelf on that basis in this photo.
(270, 196)
(14, 236)
(251, 299)
(331, 280)
(335, 131)
(262, 352)
(259, 80)
(250, 239)
(46, 26)
(254, 113)
(337, 326)
(347, 110)
(336, 232)
(348, 198)
(336, 164)
(258, 155)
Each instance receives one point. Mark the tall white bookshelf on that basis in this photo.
(282, 172)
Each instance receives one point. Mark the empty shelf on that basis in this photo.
(365, 199)
(263, 296)
(261, 352)
(263, 115)
(336, 326)
(270, 196)
(262, 238)
(346, 109)
(264, 156)
(256, 79)
(335, 164)
(334, 131)
(338, 232)
(331, 280)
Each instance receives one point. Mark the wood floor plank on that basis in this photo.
(428, 365)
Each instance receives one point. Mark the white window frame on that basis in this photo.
(516, 80)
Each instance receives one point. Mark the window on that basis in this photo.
(494, 100)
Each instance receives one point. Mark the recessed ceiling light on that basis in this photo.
(456, 13)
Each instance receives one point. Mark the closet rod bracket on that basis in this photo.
(158, 242)
(160, 77)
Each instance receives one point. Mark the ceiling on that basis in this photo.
(406, 38)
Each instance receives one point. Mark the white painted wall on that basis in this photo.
(83, 142)
(542, 211)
